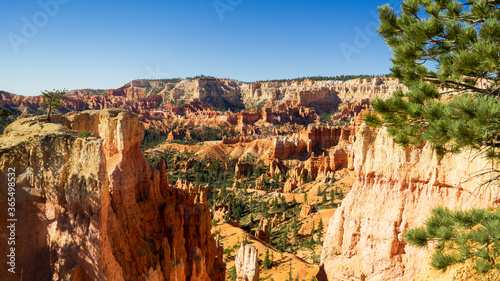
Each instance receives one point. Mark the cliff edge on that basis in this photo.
(92, 208)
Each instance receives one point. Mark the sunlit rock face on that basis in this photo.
(395, 190)
(92, 209)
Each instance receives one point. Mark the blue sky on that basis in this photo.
(77, 44)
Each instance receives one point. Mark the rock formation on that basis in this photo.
(262, 231)
(242, 169)
(92, 209)
(293, 101)
(395, 190)
(247, 265)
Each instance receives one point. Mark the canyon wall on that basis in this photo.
(141, 96)
(395, 190)
(92, 209)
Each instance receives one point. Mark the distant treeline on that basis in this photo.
(327, 78)
(313, 78)
(169, 80)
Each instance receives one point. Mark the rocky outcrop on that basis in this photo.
(395, 190)
(321, 137)
(242, 169)
(306, 210)
(246, 263)
(92, 209)
(351, 109)
(262, 231)
(285, 147)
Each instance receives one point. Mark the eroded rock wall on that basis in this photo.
(92, 209)
(395, 190)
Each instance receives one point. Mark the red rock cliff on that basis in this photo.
(92, 209)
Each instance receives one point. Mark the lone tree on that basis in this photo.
(53, 99)
(460, 39)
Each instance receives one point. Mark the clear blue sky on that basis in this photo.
(76, 44)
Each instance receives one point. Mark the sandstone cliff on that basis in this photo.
(395, 190)
(92, 209)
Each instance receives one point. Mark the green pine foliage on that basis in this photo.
(53, 99)
(267, 264)
(320, 230)
(460, 40)
(85, 134)
(4, 116)
(460, 236)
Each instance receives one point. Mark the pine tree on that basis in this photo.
(461, 235)
(267, 262)
(320, 230)
(53, 99)
(283, 204)
(276, 206)
(462, 39)
(4, 113)
(295, 230)
(284, 240)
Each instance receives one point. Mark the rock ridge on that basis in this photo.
(92, 209)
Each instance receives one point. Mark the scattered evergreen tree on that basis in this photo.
(85, 134)
(462, 38)
(4, 113)
(53, 99)
(283, 204)
(267, 263)
(232, 273)
(313, 230)
(284, 240)
(295, 230)
(308, 179)
(276, 206)
(320, 230)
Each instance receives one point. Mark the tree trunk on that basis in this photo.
(48, 115)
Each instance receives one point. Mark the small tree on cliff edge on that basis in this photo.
(462, 38)
(53, 99)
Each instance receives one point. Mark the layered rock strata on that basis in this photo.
(395, 190)
(92, 209)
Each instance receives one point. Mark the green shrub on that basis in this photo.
(85, 134)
